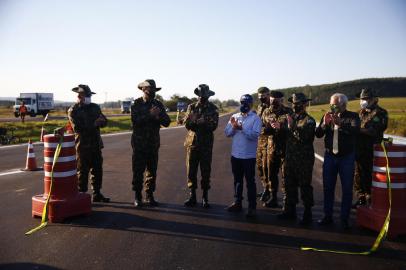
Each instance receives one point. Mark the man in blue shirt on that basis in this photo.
(244, 128)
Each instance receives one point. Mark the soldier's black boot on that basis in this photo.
(150, 200)
(192, 199)
(98, 197)
(289, 213)
(307, 218)
(205, 199)
(138, 199)
(265, 195)
(273, 202)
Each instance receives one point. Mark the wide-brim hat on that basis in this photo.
(276, 94)
(83, 88)
(366, 93)
(204, 91)
(149, 83)
(298, 98)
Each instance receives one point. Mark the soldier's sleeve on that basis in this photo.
(321, 129)
(75, 123)
(189, 124)
(265, 119)
(354, 128)
(104, 124)
(305, 133)
(164, 118)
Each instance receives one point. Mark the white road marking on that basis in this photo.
(11, 172)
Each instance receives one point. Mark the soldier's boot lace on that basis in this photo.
(192, 199)
(265, 195)
(138, 199)
(307, 218)
(150, 200)
(205, 199)
(288, 213)
(98, 197)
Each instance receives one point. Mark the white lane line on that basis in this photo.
(11, 172)
(319, 157)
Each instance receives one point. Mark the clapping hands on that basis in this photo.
(235, 124)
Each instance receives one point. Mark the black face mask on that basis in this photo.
(244, 108)
(203, 100)
(264, 100)
(274, 106)
(298, 108)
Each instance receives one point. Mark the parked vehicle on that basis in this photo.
(126, 106)
(36, 103)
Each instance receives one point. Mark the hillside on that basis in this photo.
(385, 87)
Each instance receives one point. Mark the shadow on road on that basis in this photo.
(139, 223)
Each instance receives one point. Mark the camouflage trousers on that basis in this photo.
(298, 175)
(262, 166)
(144, 161)
(89, 160)
(194, 157)
(363, 173)
(274, 163)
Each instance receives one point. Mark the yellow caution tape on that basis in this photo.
(44, 219)
(384, 230)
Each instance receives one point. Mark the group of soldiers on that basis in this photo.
(285, 144)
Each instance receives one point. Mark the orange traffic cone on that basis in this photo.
(31, 163)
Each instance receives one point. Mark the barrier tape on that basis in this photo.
(384, 230)
(44, 218)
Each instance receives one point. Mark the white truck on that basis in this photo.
(126, 106)
(36, 103)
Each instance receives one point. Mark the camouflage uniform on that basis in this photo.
(375, 120)
(145, 142)
(298, 166)
(88, 144)
(261, 152)
(199, 143)
(276, 143)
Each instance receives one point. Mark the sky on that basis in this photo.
(233, 46)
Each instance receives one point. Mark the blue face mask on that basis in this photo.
(244, 108)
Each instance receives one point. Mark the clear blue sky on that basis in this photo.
(234, 46)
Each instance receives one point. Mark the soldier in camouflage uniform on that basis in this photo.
(374, 121)
(274, 119)
(86, 119)
(299, 160)
(147, 116)
(263, 96)
(201, 120)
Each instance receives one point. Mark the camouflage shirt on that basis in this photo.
(262, 138)
(375, 121)
(300, 137)
(82, 119)
(145, 126)
(276, 137)
(201, 134)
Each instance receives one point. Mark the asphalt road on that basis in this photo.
(117, 236)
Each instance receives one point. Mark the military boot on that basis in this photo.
(265, 195)
(205, 199)
(150, 200)
(138, 199)
(307, 216)
(192, 199)
(98, 197)
(289, 212)
(273, 202)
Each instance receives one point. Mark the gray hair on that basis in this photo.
(342, 99)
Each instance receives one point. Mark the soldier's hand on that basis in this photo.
(200, 120)
(289, 120)
(192, 117)
(328, 119)
(154, 111)
(335, 119)
(100, 121)
(276, 125)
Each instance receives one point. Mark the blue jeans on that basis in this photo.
(344, 166)
(241, 168)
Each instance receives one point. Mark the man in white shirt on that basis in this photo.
(244, 127)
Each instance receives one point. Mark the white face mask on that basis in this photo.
(363, 104)
(87, 100)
